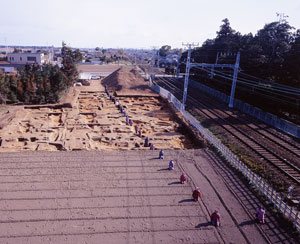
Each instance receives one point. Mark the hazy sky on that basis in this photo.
(133, 23)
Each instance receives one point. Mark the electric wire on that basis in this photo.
(251, 83)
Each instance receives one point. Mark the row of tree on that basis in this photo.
(36, 84)
(109, 59)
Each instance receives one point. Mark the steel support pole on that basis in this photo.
(186, 78)
(158, 60)
(153, 64)
(235, 74)
(213, 67)
(177, 69)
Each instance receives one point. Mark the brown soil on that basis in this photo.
(127, 81)
(116, 197)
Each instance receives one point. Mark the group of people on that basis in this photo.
(129, 121)
(215, 217)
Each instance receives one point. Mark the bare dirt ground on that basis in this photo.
(117, 197)
(99, 68)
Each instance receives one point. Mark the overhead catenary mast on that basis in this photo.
(153, 62)
(187, 71)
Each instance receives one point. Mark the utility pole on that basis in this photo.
(134, 56)
(6, 46)
(187, 71)
(235, 74)
(158, 59)
(177, 68)
(153, 63)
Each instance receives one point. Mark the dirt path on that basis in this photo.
(119, 197)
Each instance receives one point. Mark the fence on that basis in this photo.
(268, 118)
(265, 189)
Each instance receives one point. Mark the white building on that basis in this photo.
(27, 58)
(84, 76)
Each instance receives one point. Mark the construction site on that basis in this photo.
(82, 172)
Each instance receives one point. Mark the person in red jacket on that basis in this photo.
(182, 178)
(215, 218)
(196, 194)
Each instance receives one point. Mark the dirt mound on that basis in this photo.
(127, 82)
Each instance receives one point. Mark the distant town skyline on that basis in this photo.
(133, 23)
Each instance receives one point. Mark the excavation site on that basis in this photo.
(106, 165)
(92, 121)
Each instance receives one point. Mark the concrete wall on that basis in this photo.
(268, 118)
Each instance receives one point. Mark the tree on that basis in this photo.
(120, 52)
(77, 56)
(69, 63)
(4, 88)
(16, 50)
(292, 62)
(164, 50)
(227, 39)
(275, 39)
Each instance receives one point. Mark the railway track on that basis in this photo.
(265, 132)
(253, 136)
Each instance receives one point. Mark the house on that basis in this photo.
(27, 58)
